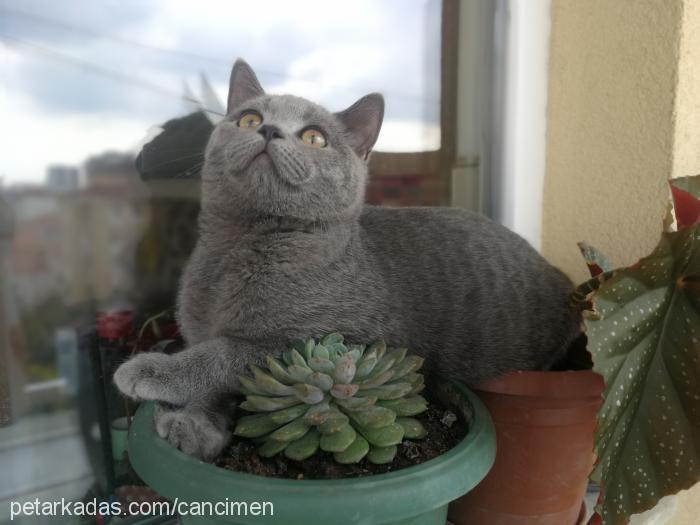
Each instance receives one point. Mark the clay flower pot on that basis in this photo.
(544, 434)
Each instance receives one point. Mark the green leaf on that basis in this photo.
(385, 436)
(336, 351)
(297, 358)
(268, 384)
(254, 403)
(384, 364)
(374, 417)
(320, 380)
(378, 347)
(387, 391)
(304, 447)
(339, 440)
(279, 371)
(356, 403)
(272, 447)
(153, 322)
(344, 370)
(309, 394)
(288, 414)
(412, 428)
(378, 380)
(321, 364)
(355, 354)
(365, 365)
(298, 373)
(354, 453)
(406, 406)
(291, 431)
(407, 366)
(255, 426)
(646, 344)
(334, 337)
(344, 391)
(297, 344)
(319, 413)
(333, 422)
(248, 387)
(309, 349)
(398, 354)
(382, 455)
(320, 352)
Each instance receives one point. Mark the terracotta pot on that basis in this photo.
(544, 435)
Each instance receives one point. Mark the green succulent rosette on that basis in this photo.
(353, 401)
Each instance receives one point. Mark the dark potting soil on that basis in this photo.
(445, 428)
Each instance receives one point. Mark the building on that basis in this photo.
(62, 178)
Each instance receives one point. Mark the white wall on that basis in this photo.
(521, 49)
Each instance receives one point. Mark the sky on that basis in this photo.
(79, 77)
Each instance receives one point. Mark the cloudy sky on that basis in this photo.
(78, 77)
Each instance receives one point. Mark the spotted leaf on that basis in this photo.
(646, 344)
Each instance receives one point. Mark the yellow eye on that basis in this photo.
(249, 119)
(314, 138)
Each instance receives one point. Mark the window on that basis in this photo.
(87, 226)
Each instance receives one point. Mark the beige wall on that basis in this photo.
(622, 118)
(686, 160)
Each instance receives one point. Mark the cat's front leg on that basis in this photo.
(208, 369)
(151, 376)
(198, 381)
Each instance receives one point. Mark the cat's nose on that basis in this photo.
(270, 132)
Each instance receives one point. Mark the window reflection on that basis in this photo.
(92, 221)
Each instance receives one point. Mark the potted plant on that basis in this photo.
(347, 400)
(643, 329)
(644, 336)
(544, 431)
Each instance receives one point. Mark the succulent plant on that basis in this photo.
(350, 400)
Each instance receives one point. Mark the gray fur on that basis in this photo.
(287, 250)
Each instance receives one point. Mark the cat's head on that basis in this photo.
(282, 155)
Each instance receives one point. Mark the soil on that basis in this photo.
(445, 427)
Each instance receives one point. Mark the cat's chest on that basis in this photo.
(249, 292)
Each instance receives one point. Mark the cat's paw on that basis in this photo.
(191, 431)
(151, 376)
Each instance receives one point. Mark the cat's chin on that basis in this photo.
(263, 163)
(261, 158)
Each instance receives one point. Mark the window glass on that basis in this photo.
(92, 229)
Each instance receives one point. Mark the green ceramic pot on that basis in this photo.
(416, 495)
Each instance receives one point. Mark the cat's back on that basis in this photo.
(470, 279)
(428, 220)
(453, 232)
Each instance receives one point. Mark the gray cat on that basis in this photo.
(287, 250)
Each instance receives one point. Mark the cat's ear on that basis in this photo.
(363, 120)
(243, 85)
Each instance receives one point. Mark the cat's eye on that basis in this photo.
(313, 137)
(250, 119)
